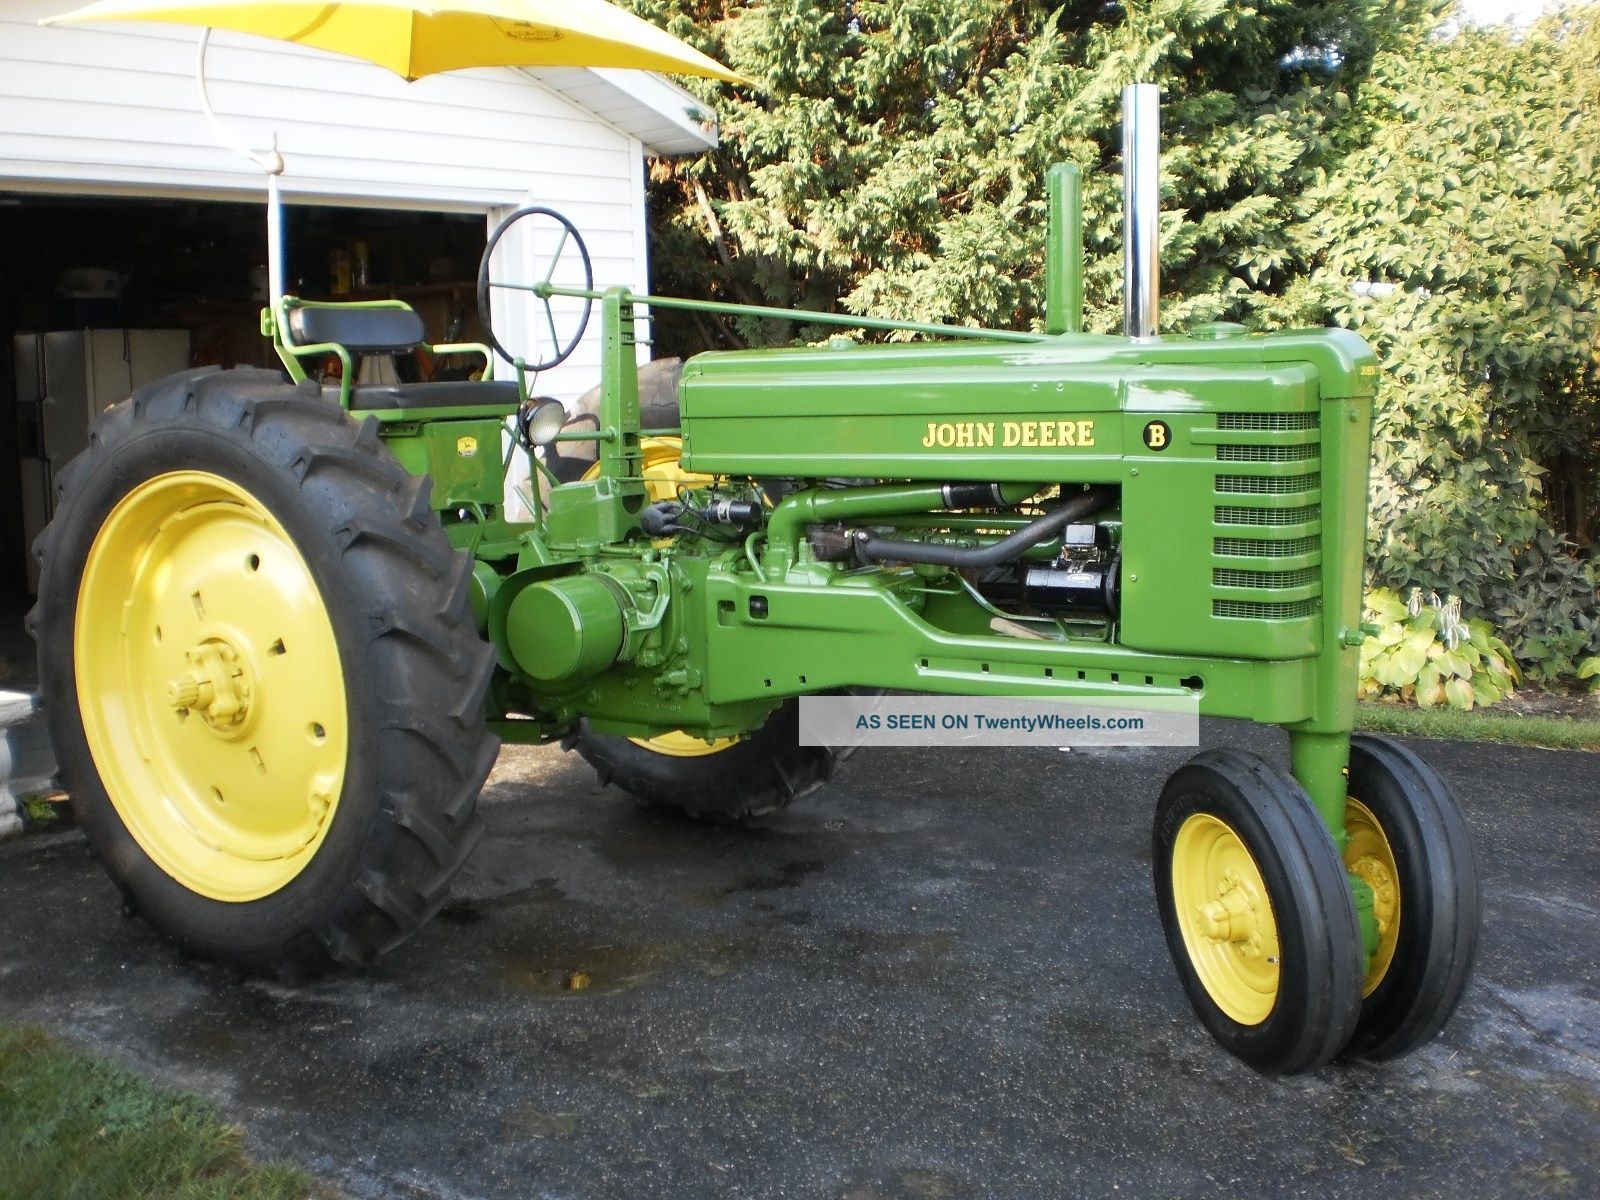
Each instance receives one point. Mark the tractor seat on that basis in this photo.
(395, 330)
(380, 329)
(466, 393)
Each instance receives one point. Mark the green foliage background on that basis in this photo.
(1346, 163)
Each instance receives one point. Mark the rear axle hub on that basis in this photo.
(218, 686)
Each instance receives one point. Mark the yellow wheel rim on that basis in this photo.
(1368, 856)
(1225, 914)
(210, 686)
(663, 476)
(679, 744)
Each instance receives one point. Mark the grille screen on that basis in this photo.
(1264, 610)
(1251, 485)
(1229, 577)
(1278, 422)
(1232, 453)
(1250, 548)
(1231, 515)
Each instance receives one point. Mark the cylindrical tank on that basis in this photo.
(565, 631)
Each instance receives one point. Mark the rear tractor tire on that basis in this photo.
(722, 782)
(261, 674)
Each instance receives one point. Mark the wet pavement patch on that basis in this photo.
(940, 977)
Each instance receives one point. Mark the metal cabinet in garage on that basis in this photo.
(63, 380)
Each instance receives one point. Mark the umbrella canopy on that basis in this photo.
(413, 38)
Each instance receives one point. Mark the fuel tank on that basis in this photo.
(1065, 407)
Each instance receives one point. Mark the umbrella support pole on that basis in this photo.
(274, 244)
(270, 161)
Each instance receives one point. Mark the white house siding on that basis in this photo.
(112, 110)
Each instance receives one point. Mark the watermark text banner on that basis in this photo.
(998, 721)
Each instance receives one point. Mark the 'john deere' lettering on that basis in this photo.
(1047, 435)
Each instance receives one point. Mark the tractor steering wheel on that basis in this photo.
(554, 242)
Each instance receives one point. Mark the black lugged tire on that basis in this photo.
(1320, 969)
(761, 773)
(415, 670)
(1440, 899)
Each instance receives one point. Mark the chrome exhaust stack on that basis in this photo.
(1141, 209)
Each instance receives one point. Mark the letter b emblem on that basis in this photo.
(1157, 435)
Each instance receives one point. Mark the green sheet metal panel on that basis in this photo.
(962, 411)
(462, 457)
(1223, 521)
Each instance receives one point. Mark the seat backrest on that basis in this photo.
(359, 330)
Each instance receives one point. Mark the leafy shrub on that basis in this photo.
(1459, 241)
(1427, 654)
(1550, 612)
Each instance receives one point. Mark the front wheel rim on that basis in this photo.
(1224, 913)
(1369, 857)
(210, 686)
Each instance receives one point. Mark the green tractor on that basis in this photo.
(284, 626)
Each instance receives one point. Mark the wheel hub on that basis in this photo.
(1231, 917)
(1376, 874)
(218, 686)
(1369, 857)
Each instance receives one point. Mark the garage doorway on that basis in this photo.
(97, 294)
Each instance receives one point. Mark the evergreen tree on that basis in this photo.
(890, 155)
(1459, 233)
(1337, 162)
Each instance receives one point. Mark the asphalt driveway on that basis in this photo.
(941, 977)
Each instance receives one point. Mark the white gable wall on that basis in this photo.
(112, 110)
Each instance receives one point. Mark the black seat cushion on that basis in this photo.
(465, 393)
(358, 330)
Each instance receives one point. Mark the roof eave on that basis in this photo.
(666, 119)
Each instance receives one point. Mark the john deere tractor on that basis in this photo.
(284, 623)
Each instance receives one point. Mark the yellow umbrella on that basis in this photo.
(413, 38)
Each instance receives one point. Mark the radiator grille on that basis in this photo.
(1230, 577)
(1266, 610)
(1250, 548)
(1276, 595)
(1269, 422)
(1267, 485)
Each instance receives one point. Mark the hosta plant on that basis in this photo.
(1424, 653)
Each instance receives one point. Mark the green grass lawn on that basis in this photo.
(77, 1128)
(1481, 725)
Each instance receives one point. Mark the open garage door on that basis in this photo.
(101, 294)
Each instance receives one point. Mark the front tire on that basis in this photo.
(261, 676)
(1257, 912)
(1410, 843)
